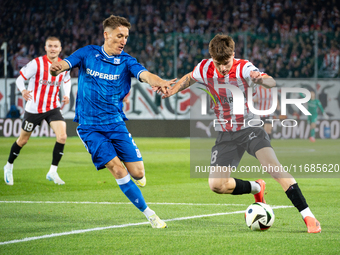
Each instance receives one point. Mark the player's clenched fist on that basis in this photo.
(55, 67)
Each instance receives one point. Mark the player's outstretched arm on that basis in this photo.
(265, 80)
(156, 81)
(59, 67)
(185, 82)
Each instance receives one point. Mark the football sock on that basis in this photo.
(15, 150)
(148, 212)
(9, 165)
(255, 187)
(241, 187)
(53, 169)
(57, 153)
(312, 132)
(132, 192)
(295, 195)
(307, 212)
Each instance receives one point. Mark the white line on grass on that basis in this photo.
(27, 239)
(111, 203)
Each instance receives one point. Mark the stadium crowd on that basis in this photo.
(280, 34)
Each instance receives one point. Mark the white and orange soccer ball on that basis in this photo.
(259, 216)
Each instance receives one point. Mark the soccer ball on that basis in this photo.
(259, 216)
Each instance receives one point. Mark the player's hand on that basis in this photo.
(169, 93)
(165, 85)
(26, 94)
(66, 100)
(256, 77)
(55, 67)
(126, 100)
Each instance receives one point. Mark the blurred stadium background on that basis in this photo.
(296, 42)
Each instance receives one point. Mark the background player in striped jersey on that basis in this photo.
(234, 140)
(104, 80)
(264, 100)
(42, 96)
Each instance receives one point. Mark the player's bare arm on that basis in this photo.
(156, 81)
(59, 67)
(185, 82)
(265, 80)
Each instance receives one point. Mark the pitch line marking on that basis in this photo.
(112, 203)
(27, 239)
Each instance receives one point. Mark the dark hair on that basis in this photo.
(221, 47)
(116, 21)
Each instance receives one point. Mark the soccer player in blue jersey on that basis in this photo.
(104, 80)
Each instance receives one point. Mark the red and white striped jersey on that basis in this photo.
(239, 75)
(45, 87)
(263, 99)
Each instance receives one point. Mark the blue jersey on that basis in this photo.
(103, 83)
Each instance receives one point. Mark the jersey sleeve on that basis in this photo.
(67, 84)
(247, 68)
(76, 57)
(320, 106)
(29, 70)
(197, 73)
(135, 68)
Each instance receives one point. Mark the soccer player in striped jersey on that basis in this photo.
(104, 80)
(234, 140)
(42, 96)
(264, 100)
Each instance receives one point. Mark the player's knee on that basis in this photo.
(22, 141)
(117, 170)
(62, 138)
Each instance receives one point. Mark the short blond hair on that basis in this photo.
(52, 38)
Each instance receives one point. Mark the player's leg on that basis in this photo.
(225, 157)
(312, 130)
(104, 154)
(14, 153)
(130, 189)
(268, 128)
(58, 124)
(137, 172)
(129, 153)
(30, 121)
(268, 159)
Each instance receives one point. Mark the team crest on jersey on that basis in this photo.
(116, 60)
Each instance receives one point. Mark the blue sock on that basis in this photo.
(132, 192)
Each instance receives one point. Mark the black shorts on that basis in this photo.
(267, 120)
(31, 120)
(230, 146)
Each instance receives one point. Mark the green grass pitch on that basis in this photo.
(199, 221)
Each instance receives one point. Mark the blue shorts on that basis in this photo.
(105, 142)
